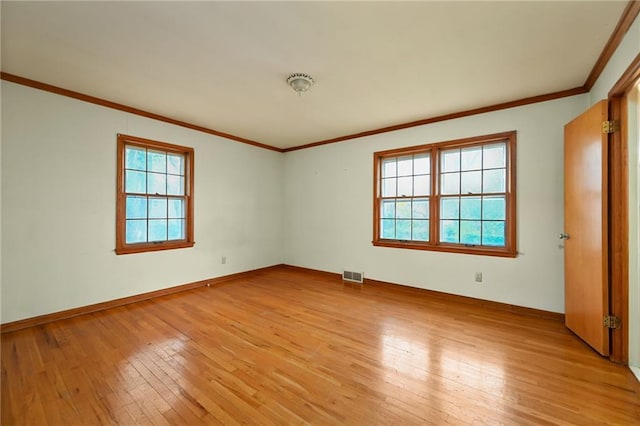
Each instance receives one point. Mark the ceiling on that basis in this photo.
(223, 65)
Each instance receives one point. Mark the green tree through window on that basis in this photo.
(454, 196)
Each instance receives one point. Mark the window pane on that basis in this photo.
(420, 231)
(403, 209)
(157, 161)
(471, 182)
(175, 185)
(156, 183)
(388, 209)
(405, 186)
(421, 185)
(450, 160)
(405, 166)
(135, 158)
(176, 208)
(471, 158)
(157, 208)
(420, 209)
(389, 167)
(450, 208)
(494, 156)
(176, 229)
(450, 183)
(388, 228)
(449, 231)
(158, 230)
(470, 208)
(136, 231)
(175, 164)
(493, 208)
(494, 181)
(403, 229)
(421, 164)
(470, 232)
(136, 207)
(135, 182)
(493, 234)
(389, 187)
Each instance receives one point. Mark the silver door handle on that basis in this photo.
(564, 236)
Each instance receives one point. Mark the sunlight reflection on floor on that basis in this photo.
(408, 357)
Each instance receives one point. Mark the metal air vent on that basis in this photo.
(355, 277)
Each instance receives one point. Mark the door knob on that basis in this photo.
(564, 236)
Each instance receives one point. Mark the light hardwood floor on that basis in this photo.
(291, 347)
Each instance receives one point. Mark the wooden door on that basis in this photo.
(585, 218)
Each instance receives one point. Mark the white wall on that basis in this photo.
(58, 206)
(329, 202)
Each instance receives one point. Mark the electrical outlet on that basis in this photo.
(478, 277)
(223, 260)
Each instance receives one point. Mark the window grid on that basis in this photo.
(481, 181)
(155, 203)
(406, 188)
(468, 230)
(153, 219)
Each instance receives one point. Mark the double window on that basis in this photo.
(456, 196)
(154, 197)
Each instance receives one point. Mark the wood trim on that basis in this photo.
(473, 140)
(483, 251)
(188, 153)
(519, 310)
(475, 111)
(626, 20)
(512, 204)
(434, 150)
(69, 313)
(627, 79)
(377, 174)
(629, 14)
(120, 107)
(619, 211)
(619, 231)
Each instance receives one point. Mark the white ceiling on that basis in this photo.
(223, 65)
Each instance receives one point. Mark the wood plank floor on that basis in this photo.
(292, 347)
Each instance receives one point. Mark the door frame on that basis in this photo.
(619, 211)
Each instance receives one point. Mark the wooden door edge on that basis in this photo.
(619, 212)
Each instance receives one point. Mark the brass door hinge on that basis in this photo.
(610, 126)
(611, 321)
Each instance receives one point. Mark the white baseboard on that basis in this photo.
(636, 371)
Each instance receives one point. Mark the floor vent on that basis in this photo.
(354, 277)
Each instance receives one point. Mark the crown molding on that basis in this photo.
(475, 111)
(121, 107)
(627, 18)
(629, 15)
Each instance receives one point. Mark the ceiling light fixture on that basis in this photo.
(300, 82)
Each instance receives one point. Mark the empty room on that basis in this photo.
(327, 213)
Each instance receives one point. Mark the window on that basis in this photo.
(455, 196)
(155, 196)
